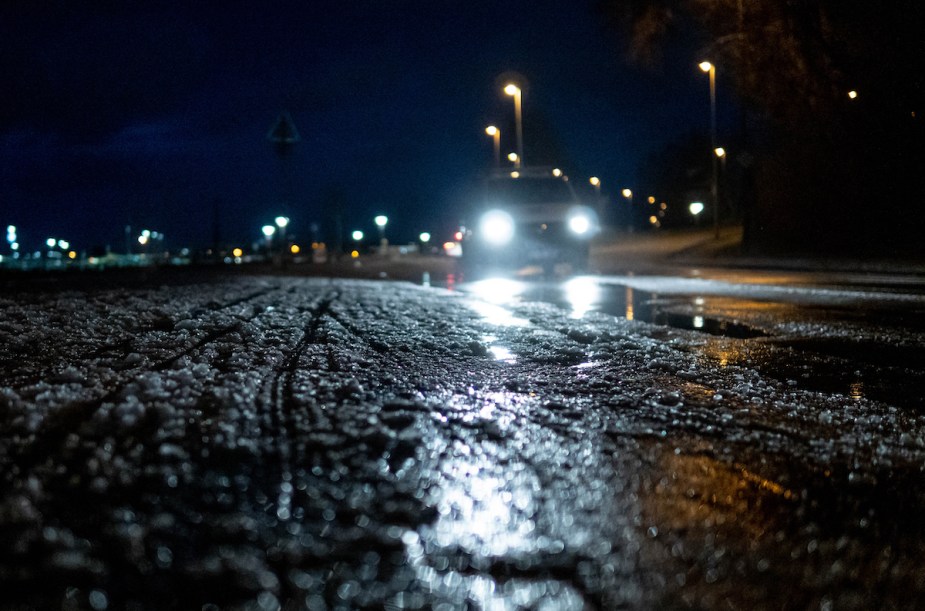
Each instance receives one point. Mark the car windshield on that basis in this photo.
(529, 190)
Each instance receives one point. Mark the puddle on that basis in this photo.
(855, 370)
(582, 295)
(713, 326)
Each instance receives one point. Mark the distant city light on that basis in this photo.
(381, 220)
(653, 219)
(720, 151)
(50, 242)
(458, 235)
(357, 235)
(14, 246)
(237, 252)
(64, 244)
(651, 199)
(512, 157)
(355, 254)
(146, 233)
(595, 181)
(424, 237)
(515, 174)
(72, 255)
(143, 239)
(268, 230)
(294, 249)
(627, 193)
(282, 221)
(696, 208)
(556, 172)
(853, 94)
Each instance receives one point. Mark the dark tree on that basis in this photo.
(841, 168)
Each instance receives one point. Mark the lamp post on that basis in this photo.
(495, 133)
(282, 222)
(518, 95)
(381, 222)
(628, 194)
(268, 231)
(710, 69)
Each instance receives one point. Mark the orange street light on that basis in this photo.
(710, 69)
(495, 133)
(513, 90)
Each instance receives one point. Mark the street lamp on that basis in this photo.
(268, 231)
(710, 69)
(513, 158)
(628, 194)
(424, 237)
(357, 235)
(381, 222)
(695, 209)
(495, 133)
(282, 222)
(596, 183)
(513, 90)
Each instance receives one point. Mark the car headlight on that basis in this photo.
(497, 227)
(579, 224)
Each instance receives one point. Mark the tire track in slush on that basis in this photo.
(279, 404)
(56, 427)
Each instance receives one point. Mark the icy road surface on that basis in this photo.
(272, 443)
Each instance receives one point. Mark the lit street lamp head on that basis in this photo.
(627, 193)
(491, 130)
(268, 230)
(705, 66)
(511, 89)
(282, 221)
(595, 181)
(720, 151)
(381, 220)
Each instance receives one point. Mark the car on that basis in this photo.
(528, 217)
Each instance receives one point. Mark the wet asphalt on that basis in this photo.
(278, 442)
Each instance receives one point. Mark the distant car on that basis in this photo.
(528, 217)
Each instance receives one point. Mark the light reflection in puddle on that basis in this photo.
(583, 295)
(494, 293)
(856, 390)
(500, 353)
(498, 290)
(496, 315)
(486, 515)
(487, 506)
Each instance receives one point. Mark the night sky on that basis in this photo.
(156, 116)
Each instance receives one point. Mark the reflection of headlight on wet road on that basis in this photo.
(497, 227)
(579, 224)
